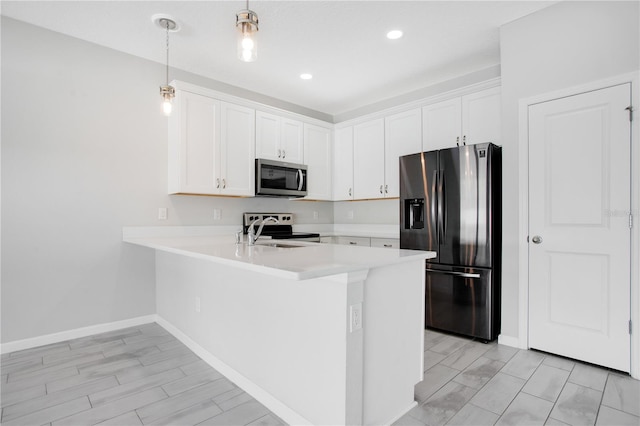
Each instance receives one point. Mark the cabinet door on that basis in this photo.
(403, 136)
(193, 145)
(317, 153)
(354, 241)
(441, 125)
(385, 242)
(481, 117)
(267, 136)
(237, 150)
(368, 160)
(291, 141)
(343, 164)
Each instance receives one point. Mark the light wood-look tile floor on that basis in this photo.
(134, 376)
(471, 383)
(143, 375)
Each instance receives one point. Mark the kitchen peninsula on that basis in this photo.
(319, 333)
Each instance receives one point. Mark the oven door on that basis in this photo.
(460, 300)
(278, 178)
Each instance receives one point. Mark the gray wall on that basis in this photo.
(565, 45)
(84, 153)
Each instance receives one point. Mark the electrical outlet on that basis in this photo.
(315, 215)
(197, 304)
(217, 214)
(355, 315)
(350, 214)
(162, 213)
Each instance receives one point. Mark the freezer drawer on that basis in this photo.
(462, 301)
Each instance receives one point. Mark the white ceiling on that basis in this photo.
(342, 43)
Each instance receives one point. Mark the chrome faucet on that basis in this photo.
(253, 236)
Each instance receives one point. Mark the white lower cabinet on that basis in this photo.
(354, 241)
(385, 242)
(211, 147)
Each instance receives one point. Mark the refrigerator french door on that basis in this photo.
(450, 203)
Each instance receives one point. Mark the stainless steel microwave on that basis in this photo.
(277, 178)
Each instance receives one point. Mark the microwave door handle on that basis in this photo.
(300, 180)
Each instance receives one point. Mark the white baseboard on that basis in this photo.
(510, 341)
(402, 414)
(48, 339)
(265, 398)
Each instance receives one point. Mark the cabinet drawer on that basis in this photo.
(385, 242)
(355, 241)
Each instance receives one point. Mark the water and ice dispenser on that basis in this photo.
(414, 213)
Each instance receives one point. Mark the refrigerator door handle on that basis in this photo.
(441, 217)
(434, 197)
(455, 274)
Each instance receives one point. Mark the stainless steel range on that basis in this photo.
(283, 230)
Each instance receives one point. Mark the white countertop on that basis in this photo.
(307, 260)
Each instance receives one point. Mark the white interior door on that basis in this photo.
(579, 229)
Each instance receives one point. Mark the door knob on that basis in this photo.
(537, 239)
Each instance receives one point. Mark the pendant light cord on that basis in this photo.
(167, 23)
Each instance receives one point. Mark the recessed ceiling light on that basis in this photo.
(306, 76)
(394, 34)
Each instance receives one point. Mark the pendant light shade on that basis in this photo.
(247, 27)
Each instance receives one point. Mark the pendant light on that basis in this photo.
(247, 26)
(167, 92)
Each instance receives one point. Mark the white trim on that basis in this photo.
(402, 414)
(264, 397)
(47, 339)
(455, 93)
(523, 146)
(205, 91)
(514, 342)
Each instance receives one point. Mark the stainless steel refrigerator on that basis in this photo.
(450, 203)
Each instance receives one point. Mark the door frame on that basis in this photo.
(523, 203)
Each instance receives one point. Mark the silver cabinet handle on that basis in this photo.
(224, 183)
(386, 189)
(387, 245)
(284, 154)
(218, 183)
(455, 274)
(381, 189)
(349, 192)
(353, 243)
(464, 140)
(458, 141)
(279, 153)
(537, 239)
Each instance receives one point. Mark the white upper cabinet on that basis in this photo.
(481, 116)
(279, 138)
(402, 136)
(317, 157)
(368, 160)
(237, 155)
(194, 140)
(470, 119)
(441, 124)
(343, 164)
(211, 147)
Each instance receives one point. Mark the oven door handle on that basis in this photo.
(455, 274)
